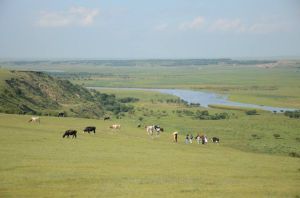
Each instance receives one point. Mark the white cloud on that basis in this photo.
(161, 27)
(227, 25)
(196, 23)
(267, 27)
(238, 26)
(74, 16)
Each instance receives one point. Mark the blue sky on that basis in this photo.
(149, 29)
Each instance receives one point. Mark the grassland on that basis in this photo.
(273, 87)
(274, 84)
(38, 162)
(252, 160)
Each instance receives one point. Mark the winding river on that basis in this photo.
(204, 98)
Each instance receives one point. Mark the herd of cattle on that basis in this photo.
(151, 130)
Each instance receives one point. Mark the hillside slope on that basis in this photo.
(29, 92)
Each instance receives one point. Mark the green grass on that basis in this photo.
(277, 86)
(38, 162)
(249, 161)
(238, 131)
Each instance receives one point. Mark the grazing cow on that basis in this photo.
(70, 132)
(215, 140)
(106, 118)
(35, 119)
(150, 130)
(90, 129)
(115, 126)
(61, 114)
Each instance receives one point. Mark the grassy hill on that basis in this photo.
(38, 162)
(29, 92)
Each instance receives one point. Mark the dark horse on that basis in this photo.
(90, 129)
(70, 132)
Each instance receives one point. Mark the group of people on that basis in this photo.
(201, 139)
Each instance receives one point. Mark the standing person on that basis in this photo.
(205, 139)
(198, 138)
(175, 136)
(202, 139)
(187, 139)
(191, 138)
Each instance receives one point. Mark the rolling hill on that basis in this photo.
(37, 93)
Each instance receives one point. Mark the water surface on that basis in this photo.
(204, 98)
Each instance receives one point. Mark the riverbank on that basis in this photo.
(204, 98)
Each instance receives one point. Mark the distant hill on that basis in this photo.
(37, 93)
(141, 62)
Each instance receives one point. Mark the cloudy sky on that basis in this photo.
(149, 29)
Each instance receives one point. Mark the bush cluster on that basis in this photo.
(292, 114)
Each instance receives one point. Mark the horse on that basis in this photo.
(35, 119)
(70, 132)
(90, 129)
(115, 126)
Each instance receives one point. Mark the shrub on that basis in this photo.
(128, 99)
(251, 112)
(255, 136)
(292, 114)
(294, 154)
(204, 115)
(276, 135)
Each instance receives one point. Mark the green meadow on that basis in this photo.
(258, 155)
(38, 162)
(128, 163)
(263, 84)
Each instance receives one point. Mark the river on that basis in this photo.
(204, 98)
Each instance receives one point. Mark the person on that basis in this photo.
(198, 138)
(191, 138)
(205, 139)
(175, 136)
(187, 139)
(202, 139)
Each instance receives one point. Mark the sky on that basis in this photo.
(139, 29)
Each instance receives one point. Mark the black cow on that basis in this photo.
(90, 129)
(106, 118)
(61, 114)
(215, 140)
(70, 132)
(158, 128)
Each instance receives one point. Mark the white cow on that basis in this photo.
(115, 126)
(150, 130)
(35, 119)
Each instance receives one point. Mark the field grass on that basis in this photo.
(248, 133)
(270, 86)
(249, 84)
(252, 160)
(38, 162)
